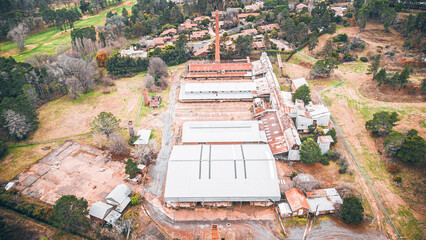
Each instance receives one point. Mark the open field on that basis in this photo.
(47, 41)
(355, 102)
(73, 169)
(20, 158)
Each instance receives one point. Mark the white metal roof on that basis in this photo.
(120, 208)
(222, 131)
(284, 208)
(210, 173)
(100, 210)
(203, 91)
(118, 194)
(300, 82)
(112, 217)
(144, 136)
(320, 204)
(333, 195)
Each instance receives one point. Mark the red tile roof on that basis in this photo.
(244, 15)
(296, 199)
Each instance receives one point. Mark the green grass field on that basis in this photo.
(49, 40)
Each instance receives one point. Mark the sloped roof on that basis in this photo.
(320, 204)
(325, 139)
(144, 136)
(221, 66)
(284, 208)
(299, 82)
(296, 199)
(112, 217)
(119, 193)
(100, 210)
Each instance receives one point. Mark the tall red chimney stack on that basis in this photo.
(217, 47)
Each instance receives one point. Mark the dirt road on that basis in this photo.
(158, 171)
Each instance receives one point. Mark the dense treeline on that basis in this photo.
(61, 17)
(22, 85)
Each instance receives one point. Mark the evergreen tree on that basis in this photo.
(381, 77)
(413, 150)
(302, 93)
(374, 65)
(70, 213)
(382, 123)
(313, 41)
(403, 77)
(310, 152)
(352, 210)
(327, 49)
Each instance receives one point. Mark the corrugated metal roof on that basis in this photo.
(296, 199)
(320, 204)
(118, 194)
(112, 217)
(210, 173)
(284, 208)
(100, 210)
(222, 131)
(220, 87)
(299, 82)
(144, 136)
(325, 139)
(217, 67)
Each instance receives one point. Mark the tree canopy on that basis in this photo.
(352, 210)
(413, 150)
(310, 152)
(382, 123)
(302, 93)
(70, 213)
(131, 168)
(105, 123)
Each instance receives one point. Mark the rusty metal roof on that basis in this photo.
(221, 66)
(296, 199)
(325, 139)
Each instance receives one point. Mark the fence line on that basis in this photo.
(376, 196)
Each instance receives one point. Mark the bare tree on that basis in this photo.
(118, 144)
(39, 59)
(114, 25)
(150, 83)
(74, 87)
(157, 68)
(16, 124)
(18, 35)
(146, 153)
(99, 139)
(86, 47)
(305, 182)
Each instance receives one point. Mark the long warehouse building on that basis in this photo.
(222, 132)
(219, 175)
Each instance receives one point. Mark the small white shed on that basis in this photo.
(118, 195)
(324, 143)
(285, 210)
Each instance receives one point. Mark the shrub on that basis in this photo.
(293, 174)
(135, 199)
(397, 179)
(349, 15)
(343, 170)
(341, 38)
(364, 59)
(324, 160)
(133, 139)
(393, 168)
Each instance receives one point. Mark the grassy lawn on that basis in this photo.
(49, 40)
(20, 158)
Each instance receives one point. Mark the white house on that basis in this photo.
(131, 52)
(324, 143)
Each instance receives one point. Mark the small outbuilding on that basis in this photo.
(297, 83)
(119, 197)
(324, 143)
(112, 217)
(143, 139)
(99, 210)
(297, 202)
(285, 210)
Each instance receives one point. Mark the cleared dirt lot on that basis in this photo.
(73, 169)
